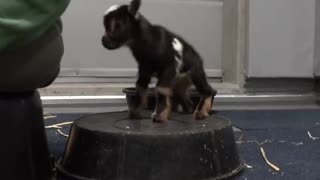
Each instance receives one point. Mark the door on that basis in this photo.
(281, 38)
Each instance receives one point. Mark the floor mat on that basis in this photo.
(293, 151)
(273, 119)
(286, 137)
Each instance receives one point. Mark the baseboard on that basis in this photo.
(279, 85)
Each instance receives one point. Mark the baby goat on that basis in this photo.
(159, 53)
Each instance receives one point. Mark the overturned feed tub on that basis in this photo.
(112, 147)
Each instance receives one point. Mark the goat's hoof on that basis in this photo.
(200, 115)
(157, 118)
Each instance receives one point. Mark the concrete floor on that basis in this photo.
(88, 89)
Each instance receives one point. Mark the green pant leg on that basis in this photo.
(33, 66)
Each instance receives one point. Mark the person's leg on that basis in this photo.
(33, 66)
(24, 149)
(41, 160)
(22, 72)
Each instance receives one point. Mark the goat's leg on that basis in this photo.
(164, 93)
(181, 88)
(140, 99)
(205, 104)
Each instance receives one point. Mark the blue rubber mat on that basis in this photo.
(275, 119)
(284, 136)
(293, 151)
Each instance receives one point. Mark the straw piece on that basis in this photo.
(63, 134)
(313, 138)
(268, 162)
(49, 117)
(248, 166)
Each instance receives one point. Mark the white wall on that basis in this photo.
(199, 21)
(281, 38)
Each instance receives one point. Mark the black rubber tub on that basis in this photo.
(110, 146)
(131, 93)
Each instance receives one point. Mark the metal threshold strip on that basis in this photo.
(80, 97)
(218, 96)
(101, 103)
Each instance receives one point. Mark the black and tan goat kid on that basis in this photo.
(159, 53)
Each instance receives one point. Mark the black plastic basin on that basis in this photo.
(111, 147)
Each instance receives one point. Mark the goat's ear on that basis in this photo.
(134, 7)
